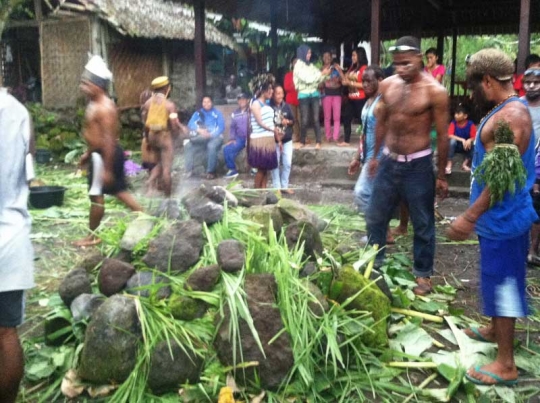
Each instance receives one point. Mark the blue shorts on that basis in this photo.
(503, 269)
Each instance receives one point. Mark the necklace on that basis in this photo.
(496, 106)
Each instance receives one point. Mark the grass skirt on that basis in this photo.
(262, 153)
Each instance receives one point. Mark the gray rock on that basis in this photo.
(203, 279)
(321, 224)
(146, 283)
(187, 308)
(231, 255)
(169, 209)
(91, 260)
(111, 342)
(304, 232)
(74, 284)
(84, 306)
(220, 195)
(271, 198)
(181, 245)
(250, 198)
(136, 231)
(113, 276)
(309, 269)
(207, 212)
(293, 211)
(272, 370)
(263, 215)
(171, 367)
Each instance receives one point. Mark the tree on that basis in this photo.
(6, 8)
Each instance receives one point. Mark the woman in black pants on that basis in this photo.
(357, 97)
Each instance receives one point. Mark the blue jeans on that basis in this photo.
(212, 147)
(230, 151)
(413, 182)
(309, 108)
(363, 189)
(457, 147)
(280, 177)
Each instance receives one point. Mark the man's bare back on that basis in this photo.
(101, 119)
(409, 110)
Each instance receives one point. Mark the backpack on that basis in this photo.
(158, 117)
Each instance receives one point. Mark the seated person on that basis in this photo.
(237, 135)
(232, 90)
(206, 128)
(462, 133)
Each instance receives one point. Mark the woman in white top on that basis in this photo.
(263, 136)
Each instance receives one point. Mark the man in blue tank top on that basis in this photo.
(503, 229)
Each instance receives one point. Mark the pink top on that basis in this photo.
(439, 70)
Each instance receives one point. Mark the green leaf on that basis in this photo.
(429, 306)
(446, 289)
(412, 340)
(40, 370)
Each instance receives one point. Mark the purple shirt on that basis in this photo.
(239, 125)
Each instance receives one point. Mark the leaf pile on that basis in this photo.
(502, 169)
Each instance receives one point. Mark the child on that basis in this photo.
(461, 132)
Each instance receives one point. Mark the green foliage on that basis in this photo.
(502, 169)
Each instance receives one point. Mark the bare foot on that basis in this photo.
(494, 373)
(466, 168)
(486, 333)
(399, 231)
(288, 191)
(390, 239)
(88, 241)
(343, 144)
(318, 146)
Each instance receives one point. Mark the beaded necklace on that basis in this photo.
(496, 106)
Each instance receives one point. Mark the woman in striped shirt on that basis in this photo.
(263, 137)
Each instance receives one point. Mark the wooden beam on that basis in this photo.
(524, 34)
(200, 50)
(375, 37)
(454, 61)
(22, 24)
(440, 47)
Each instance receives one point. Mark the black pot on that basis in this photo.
(43, 156)
(46, 196)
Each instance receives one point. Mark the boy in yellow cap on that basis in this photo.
(161, 123)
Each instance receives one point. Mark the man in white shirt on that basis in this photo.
(16, 253)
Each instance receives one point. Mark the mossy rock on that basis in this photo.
(371, 299)
(186, 308)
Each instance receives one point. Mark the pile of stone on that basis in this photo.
(102, 291)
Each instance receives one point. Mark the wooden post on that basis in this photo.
(38, 10)
(440, 47)
(200, 50)
(524, 35)
(274, 40)
(454, 61)
(375, 31)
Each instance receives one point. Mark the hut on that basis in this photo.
(139, 39)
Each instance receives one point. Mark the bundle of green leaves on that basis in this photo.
(502, 169)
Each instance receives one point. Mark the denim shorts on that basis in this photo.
(11, 308)
(503, 266)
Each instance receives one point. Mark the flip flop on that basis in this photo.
(478, 335)
(498, 380)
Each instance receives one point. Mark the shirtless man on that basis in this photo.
(410, 103)
(503, 230)
(161, 128)
(104, 155)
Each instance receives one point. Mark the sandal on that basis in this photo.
(423, 286)
(210, 176)
(498, 380)
(476, 335)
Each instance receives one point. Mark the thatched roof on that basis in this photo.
(153, 19)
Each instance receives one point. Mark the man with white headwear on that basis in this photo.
(104, 156)
(16, 254)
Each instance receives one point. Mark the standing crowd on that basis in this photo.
(398, 115)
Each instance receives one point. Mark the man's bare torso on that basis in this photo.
(409, 113)
(101, 119)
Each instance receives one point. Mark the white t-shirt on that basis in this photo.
(16, 253)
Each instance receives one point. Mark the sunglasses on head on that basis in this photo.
(532, 72)
(403, 48)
